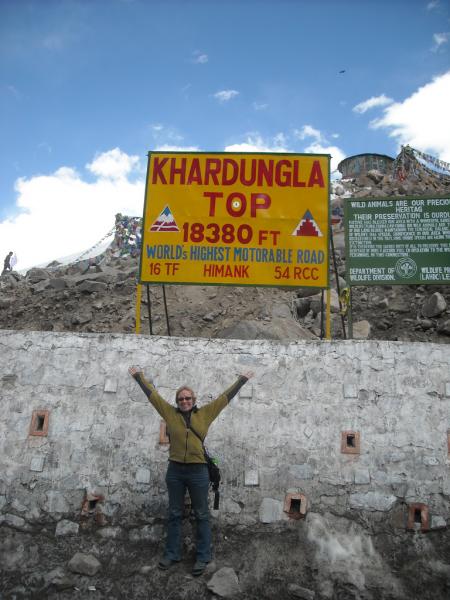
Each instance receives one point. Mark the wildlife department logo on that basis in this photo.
(405, 268)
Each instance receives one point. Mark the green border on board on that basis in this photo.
(383, 198)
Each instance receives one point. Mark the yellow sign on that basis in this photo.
(236, 219)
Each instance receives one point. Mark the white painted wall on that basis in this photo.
(282, 433)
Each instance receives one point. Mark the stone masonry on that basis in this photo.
(345, 426)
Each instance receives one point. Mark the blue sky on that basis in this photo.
(87, 88)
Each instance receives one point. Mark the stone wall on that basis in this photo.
(349, 427)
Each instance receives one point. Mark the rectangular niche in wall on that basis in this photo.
(350, 442)
(39, 422)
(295, 506)
(418, 517)
(92, 508)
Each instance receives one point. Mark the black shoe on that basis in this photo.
(165, 563)
(199, 568)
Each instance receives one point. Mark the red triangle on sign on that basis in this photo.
(307, 227)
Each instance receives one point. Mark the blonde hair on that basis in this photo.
(185, 387)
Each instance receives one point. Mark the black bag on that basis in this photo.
(213, 470)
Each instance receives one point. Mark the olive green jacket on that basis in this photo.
(185, 447)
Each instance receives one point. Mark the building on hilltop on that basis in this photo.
(410, 162)
(361, 164)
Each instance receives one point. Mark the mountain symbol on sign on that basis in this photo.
(165, 221)
(307, 226)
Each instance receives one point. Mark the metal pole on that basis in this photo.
(149, 308)
(338, 287)
(138, 308)
(321, 315)
(165, 309)
(350, 316)
(328, 314)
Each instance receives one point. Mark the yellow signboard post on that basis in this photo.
(236, 219)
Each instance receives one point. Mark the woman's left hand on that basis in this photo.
(248, 374)
(134, 370)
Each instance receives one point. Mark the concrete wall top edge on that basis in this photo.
(78, 339)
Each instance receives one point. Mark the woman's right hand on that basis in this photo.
(134, 370)
(248, 374)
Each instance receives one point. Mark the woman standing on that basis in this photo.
(187, 465)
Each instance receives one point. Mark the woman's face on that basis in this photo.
(185, 401)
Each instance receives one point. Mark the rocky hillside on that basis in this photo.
(99, 295)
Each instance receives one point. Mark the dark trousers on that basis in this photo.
(195, 478)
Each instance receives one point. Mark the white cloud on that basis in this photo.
(439, 39)
(320, 144)
(257, 106)
(372, 102)
(63, 213)
(113, 164)
(226, 95)
(171, 148)
(165, 134)
(422, 119)
(279, 143)
(184, 91)
(199, 58)
(308, 131)
(255, 143)
(11, 89)
(280, 139)
(336, 153)
(433, 4)
(167, 138)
